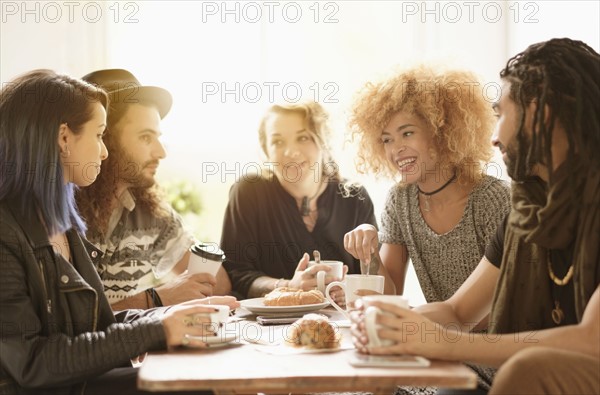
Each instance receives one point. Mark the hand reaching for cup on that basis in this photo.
(305, 278)
(311, 275)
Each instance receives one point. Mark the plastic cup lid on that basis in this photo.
(209, 251)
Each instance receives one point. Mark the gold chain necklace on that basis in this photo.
(558, 314)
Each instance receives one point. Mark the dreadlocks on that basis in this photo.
(565, 75)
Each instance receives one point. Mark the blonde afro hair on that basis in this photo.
(451, 104)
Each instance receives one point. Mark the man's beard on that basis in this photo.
(131, 171)
(511, 160)
(523, 170)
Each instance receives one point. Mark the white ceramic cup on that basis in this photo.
(371, 315)
(337, 271)
(218, 318)
(351, 284)
(205, 258)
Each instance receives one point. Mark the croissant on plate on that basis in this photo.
(285, 296)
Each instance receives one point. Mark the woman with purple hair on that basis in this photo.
(59, 333)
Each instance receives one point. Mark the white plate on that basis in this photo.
(215, 341)
(257, 306)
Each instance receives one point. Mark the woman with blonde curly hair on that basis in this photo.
(298, 204)
(432, 129)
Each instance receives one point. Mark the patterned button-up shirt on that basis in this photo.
(140, 250)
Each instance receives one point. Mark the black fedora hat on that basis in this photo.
(123, 88)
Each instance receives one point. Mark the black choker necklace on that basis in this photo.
(429, 194)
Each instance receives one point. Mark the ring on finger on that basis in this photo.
(185, 340)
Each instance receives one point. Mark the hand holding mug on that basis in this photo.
(357, 328)
(372, 312)
(327, 272)
(307, 277)
(351, 285)
(399, 330)
(176, 324)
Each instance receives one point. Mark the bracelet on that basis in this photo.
(155, 298)
(147, 300)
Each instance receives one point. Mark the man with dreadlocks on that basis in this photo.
(540, 275)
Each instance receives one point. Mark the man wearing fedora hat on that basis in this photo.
(145, 245)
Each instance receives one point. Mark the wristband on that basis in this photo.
(154, 296)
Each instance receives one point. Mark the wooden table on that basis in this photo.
(242, 368)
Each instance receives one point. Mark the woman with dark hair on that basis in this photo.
(299, 204)
(59, 333)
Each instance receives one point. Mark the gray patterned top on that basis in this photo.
(443, 262)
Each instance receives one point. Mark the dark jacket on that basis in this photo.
(57, 328)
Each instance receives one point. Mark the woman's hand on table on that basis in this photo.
(362, 242)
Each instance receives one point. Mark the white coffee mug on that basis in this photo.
(353, 283)
(337, 271)
(371, 316)
(218, 319)
(205, 258)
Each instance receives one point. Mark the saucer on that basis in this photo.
(219, 340)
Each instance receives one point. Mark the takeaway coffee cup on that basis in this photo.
(205, 258)
(371, 313)
(353, 283)
(337, 271)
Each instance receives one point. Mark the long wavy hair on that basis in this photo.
(32, 108)
(95, 200)
(564, 75)
(317, 123)
(461, 119)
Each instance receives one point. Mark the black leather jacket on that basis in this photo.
(57, 328)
